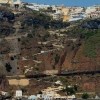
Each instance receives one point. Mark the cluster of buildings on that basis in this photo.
(67, 13)
(16, 3)
(37, 7)
(47, 94)
(11, 2)
(59, 12)
(50, 93)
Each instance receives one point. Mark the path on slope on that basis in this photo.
(14, 49)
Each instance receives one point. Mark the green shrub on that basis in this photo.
(91, 46)
(57, 57)
(70, 90)
(85, 96)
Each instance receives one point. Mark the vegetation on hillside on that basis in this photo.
(37, 19)
(87, 31)
(92, 45)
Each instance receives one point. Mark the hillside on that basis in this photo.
(85, 53)
(34, 30)
(32, 43)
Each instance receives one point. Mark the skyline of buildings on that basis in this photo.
(67, 13)
(66, 2)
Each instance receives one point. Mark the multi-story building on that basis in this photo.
(55, 12)
(6, 1)
(93, 11)
(57, 15)
(76, 9)
(37, 7)
(76, 13)
(77, 16)
(11, 2)
(17, 2)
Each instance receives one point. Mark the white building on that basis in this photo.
(4, 93)
(76, 9)
(54, 7)
(71, 97)
(51, 93)
(57, 15)
(76, 13)
(18, 94)
(11, 2)
(32, 97)
(93, 11)
(6, 1)
(37, 7)
(17, 2)
(90, 10)
(77, 16)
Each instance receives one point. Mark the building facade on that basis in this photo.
(6, 1)
(11, 2)
(93, 12)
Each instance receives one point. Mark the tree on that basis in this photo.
(75, 87)
(85, 96)
(46, 36)
(63, 80)
(8, 67)
(57, 57)
(70, 90)
(40, 92)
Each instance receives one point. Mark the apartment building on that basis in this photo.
(11, 2)
(93, 11)
(37, 7)
(76, 10)
(6, 1)
(76, 13)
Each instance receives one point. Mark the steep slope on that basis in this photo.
(86, 52)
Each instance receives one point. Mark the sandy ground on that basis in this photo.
(21, 82)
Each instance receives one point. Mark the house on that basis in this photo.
(72, 97)
(37, 7)
(11, 2)
(3, 93)
(17, 3)
(39, 96)
(51, 93)
(93, 11)
(95, 14)
(57, 15)
(33, 7)
(6, 1)
(47, 97)
(18, 94)
(76, 16)
(76, 13)
(50, 72)
(32, 97)
(55, 12)
(6, 94)
(76, 9)
(58, 83)
(97, 97)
